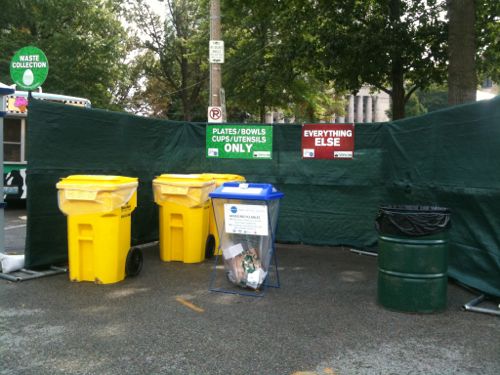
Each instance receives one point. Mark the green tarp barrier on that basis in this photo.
(450, 158)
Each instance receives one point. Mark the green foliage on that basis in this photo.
(173, 58)
(280, 55)
(319, 103)
(267, 61)
(253, 75)
(393, 45)
(84, 41)
(488, 39)
(433, 98)
(414, 107)
(279, 51)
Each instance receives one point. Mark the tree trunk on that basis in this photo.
(262, 113)
(462, 80)
(185, 97)
(186, 108)
(398, 94)
(397, 68)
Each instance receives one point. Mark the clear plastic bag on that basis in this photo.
(244, 269)
(11, 263)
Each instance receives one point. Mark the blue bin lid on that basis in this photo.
(248, 191)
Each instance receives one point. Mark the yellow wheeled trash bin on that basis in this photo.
(99, 212)
(213, 241)
(184, 209)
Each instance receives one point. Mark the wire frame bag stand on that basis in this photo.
(246, 215)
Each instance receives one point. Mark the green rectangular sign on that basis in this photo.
(240, 141)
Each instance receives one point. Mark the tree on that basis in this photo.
(269, 63)
(413, 107)
(319, 103)
(434, 97)
(253, 76)
(488, 39)
(395, 46)
(177, 73)
(462, 79)
(474, 46)
(84, 41)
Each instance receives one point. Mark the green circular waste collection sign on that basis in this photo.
(29, 68)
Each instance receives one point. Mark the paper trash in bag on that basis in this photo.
(244, 267)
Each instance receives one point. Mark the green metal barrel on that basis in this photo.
(412, 273)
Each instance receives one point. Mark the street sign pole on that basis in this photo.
(29, 68)
(215, 67)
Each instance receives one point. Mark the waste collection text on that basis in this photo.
(29, 61)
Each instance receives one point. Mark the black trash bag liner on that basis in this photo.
(412, 221)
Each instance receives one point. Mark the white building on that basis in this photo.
(367, 106)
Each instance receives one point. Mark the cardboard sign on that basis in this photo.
(239, 141)
(327, 141)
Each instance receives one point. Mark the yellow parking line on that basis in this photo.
(189, 305)
(326, 370)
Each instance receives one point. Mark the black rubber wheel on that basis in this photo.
(133, 265)
(210, 247)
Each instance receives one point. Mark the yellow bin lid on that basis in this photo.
(96, 182)
(187, 180)
(220, 178)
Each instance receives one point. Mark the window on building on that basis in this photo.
(13, 142)
(487, 83)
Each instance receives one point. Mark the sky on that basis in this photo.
(158, 6)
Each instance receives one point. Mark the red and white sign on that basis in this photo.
(215, 114)
(327, 141)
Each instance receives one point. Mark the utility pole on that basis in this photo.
(215, 69)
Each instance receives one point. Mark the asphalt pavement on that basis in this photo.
(323, 320)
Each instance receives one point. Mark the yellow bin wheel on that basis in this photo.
(133, 264)
(210, 247)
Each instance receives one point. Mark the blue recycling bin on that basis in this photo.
(246, 215)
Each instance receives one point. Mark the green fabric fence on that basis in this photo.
(450, 158)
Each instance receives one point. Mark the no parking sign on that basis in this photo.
(215, 114)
